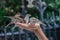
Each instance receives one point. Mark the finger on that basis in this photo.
(30, 24)
(22, 25)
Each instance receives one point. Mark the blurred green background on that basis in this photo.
(11, 7)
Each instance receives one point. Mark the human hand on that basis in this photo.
(33, 28)
(29, 26)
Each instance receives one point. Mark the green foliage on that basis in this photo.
(53, 3)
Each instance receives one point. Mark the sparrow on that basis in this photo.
(36, 21)
(14, 19)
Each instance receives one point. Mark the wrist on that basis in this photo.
(37, 31)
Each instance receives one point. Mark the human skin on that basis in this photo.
(33, 28)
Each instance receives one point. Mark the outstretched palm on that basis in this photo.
(28, 26)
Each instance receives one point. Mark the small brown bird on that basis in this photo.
(27, 18)
(14, 19)
(36, 21)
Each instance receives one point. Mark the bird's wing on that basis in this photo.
(9, 17)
